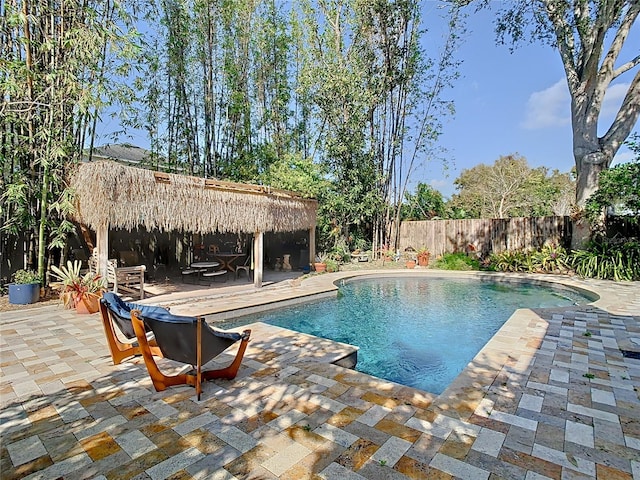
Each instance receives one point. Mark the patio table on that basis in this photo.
(204, 265)
(228, 259)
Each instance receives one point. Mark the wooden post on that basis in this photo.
(312, 244)
(258, 258)
(102, 244)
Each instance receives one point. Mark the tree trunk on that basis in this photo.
(589, 167)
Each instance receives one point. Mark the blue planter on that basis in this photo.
(24, 293)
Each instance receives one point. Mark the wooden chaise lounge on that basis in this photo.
(118, 329)
(188, 340)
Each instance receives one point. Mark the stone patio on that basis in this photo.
(553, 395)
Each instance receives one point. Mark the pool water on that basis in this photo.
(419, 332)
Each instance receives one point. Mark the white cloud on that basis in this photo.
(613, 98)
(549, 107)
(439, 183)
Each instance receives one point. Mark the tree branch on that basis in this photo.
(626, 117)
(626, 67)
(565, 44)
(618, 41)
(582, 17)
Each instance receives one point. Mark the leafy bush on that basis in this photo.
(611, 259)
(332, 265)
(511, 261)
(617, 187)
(550, 259)
(608, 259)
(25, 277)
(457, 261)
(340, 254)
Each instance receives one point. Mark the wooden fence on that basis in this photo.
(485, 235)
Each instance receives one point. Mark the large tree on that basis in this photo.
(508, 188)
(425, 204)
(589, 35)
(378, 97)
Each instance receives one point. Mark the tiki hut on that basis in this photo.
(112, 195)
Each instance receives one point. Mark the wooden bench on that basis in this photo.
(191, 271)
(127, 279)
(217, 273)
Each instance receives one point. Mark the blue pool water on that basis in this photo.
(419, 332)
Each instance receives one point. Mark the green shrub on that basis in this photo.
(340, 254)
(25, 277)
(547, 259)
(332, 265)
(511, 261)
(457, 261)
(608, 259)
(550, 259)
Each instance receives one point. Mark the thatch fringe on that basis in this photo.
(110, 193)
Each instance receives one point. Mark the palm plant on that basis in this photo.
(76, 286)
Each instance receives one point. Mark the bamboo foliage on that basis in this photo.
(58, 67)
(377, 94)
(346, 83)
(109, 193)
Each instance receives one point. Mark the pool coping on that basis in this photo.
(326, 285)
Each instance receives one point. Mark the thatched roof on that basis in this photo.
(127, 197)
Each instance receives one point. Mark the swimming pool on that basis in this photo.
(415, 331)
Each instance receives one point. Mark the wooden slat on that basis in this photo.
(484, 235)
(214, 184)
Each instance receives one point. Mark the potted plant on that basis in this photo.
(25, 288)
(81, 292)
(409, 256)
(385, 254)
(423, 256)
(320, 265)
(332, 265)
(409, 261)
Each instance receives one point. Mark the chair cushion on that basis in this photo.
(165, 316)
(176, 336)
(121, 312)
(123, 309)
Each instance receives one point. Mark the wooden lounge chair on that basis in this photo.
(118, 329)
(187, 340)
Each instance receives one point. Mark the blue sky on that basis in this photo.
(512, 103)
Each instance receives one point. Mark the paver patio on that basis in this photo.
(553, 395)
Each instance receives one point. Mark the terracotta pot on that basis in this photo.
(87, 304)
(411, 264)
(320, 267)
(423, 260)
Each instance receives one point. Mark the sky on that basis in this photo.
(506, 103)
(512, 103)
